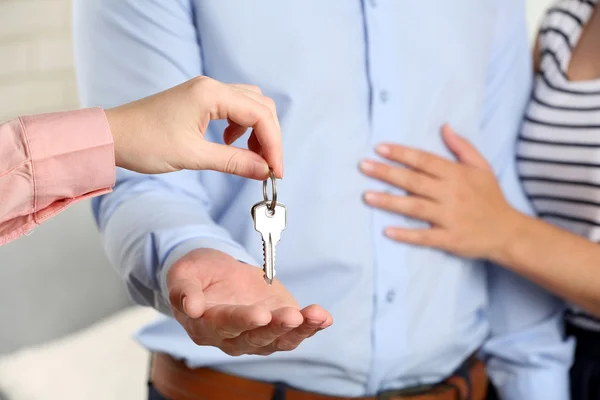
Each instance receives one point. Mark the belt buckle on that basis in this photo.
(405, 393)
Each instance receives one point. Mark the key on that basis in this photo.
(270, 224)
(269, 220)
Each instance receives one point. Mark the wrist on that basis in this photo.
(115, 122)
(511, 230)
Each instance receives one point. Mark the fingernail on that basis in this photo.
(389, 232)
(183, 301)
(370, 197)
(367, 166)
(261, 167)
(314, 322)
(290, 326)
(384, 149)
(449, 130)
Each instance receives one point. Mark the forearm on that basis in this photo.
(564, 263)
(148, 223)
(50, 161)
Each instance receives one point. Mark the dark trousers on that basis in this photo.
(153, 394)
(585, 373)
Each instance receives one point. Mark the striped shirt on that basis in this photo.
(559, 145)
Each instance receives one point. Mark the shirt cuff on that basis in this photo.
(234, 250)
(540, 383)
(72, 156)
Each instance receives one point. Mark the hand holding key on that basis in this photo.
(224, 303)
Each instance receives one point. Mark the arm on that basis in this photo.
(528, 356)
(148, 222)
(50, 161)
(45, 166)
(157, 230)
(579, 282)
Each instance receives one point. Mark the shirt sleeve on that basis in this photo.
(148, 222)
(528, 356)
(50, 161)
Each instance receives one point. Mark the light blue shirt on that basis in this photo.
(345, 76)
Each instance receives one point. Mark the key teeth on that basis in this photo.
(267, 279)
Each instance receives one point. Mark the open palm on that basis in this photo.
(224, 303)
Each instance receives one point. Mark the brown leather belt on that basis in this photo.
(174, 380)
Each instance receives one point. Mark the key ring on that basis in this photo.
(271, 206)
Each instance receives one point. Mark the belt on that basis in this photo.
(174, 380)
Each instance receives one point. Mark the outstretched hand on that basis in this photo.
(224, 303)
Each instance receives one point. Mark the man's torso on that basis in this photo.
(346, 76)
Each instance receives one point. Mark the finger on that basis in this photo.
(328, 322)
(230, 321)
(244, 110)
(410, 206)
(315, 314)
(464, 151)
(233, 132)
(253, 145)
(323, 326)
(404, 178)
(187, 297)
(283, 321)
(233, 160)
(432, 237)
(255, 93)
(431, 164)
(314, 318)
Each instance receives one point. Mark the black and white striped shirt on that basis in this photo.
(559, 146)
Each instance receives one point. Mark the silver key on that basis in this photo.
(270, 220)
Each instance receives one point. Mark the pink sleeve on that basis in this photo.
(50, 161)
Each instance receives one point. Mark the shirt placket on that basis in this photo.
(388, 328)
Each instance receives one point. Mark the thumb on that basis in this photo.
(464, 151)
(232, 160)
(187, 297)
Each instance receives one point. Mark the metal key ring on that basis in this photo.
(271, 206)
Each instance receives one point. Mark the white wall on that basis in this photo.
(36, 75)
(535, 10)
(36, 67)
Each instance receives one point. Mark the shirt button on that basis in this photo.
(390, 296)
(384, 96)
(373, 3)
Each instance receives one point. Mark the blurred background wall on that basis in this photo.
(59, 274)
(36, 68)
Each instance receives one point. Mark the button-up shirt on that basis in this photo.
(345, 75)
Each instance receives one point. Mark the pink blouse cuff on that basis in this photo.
(67, 157)
(72, 158)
